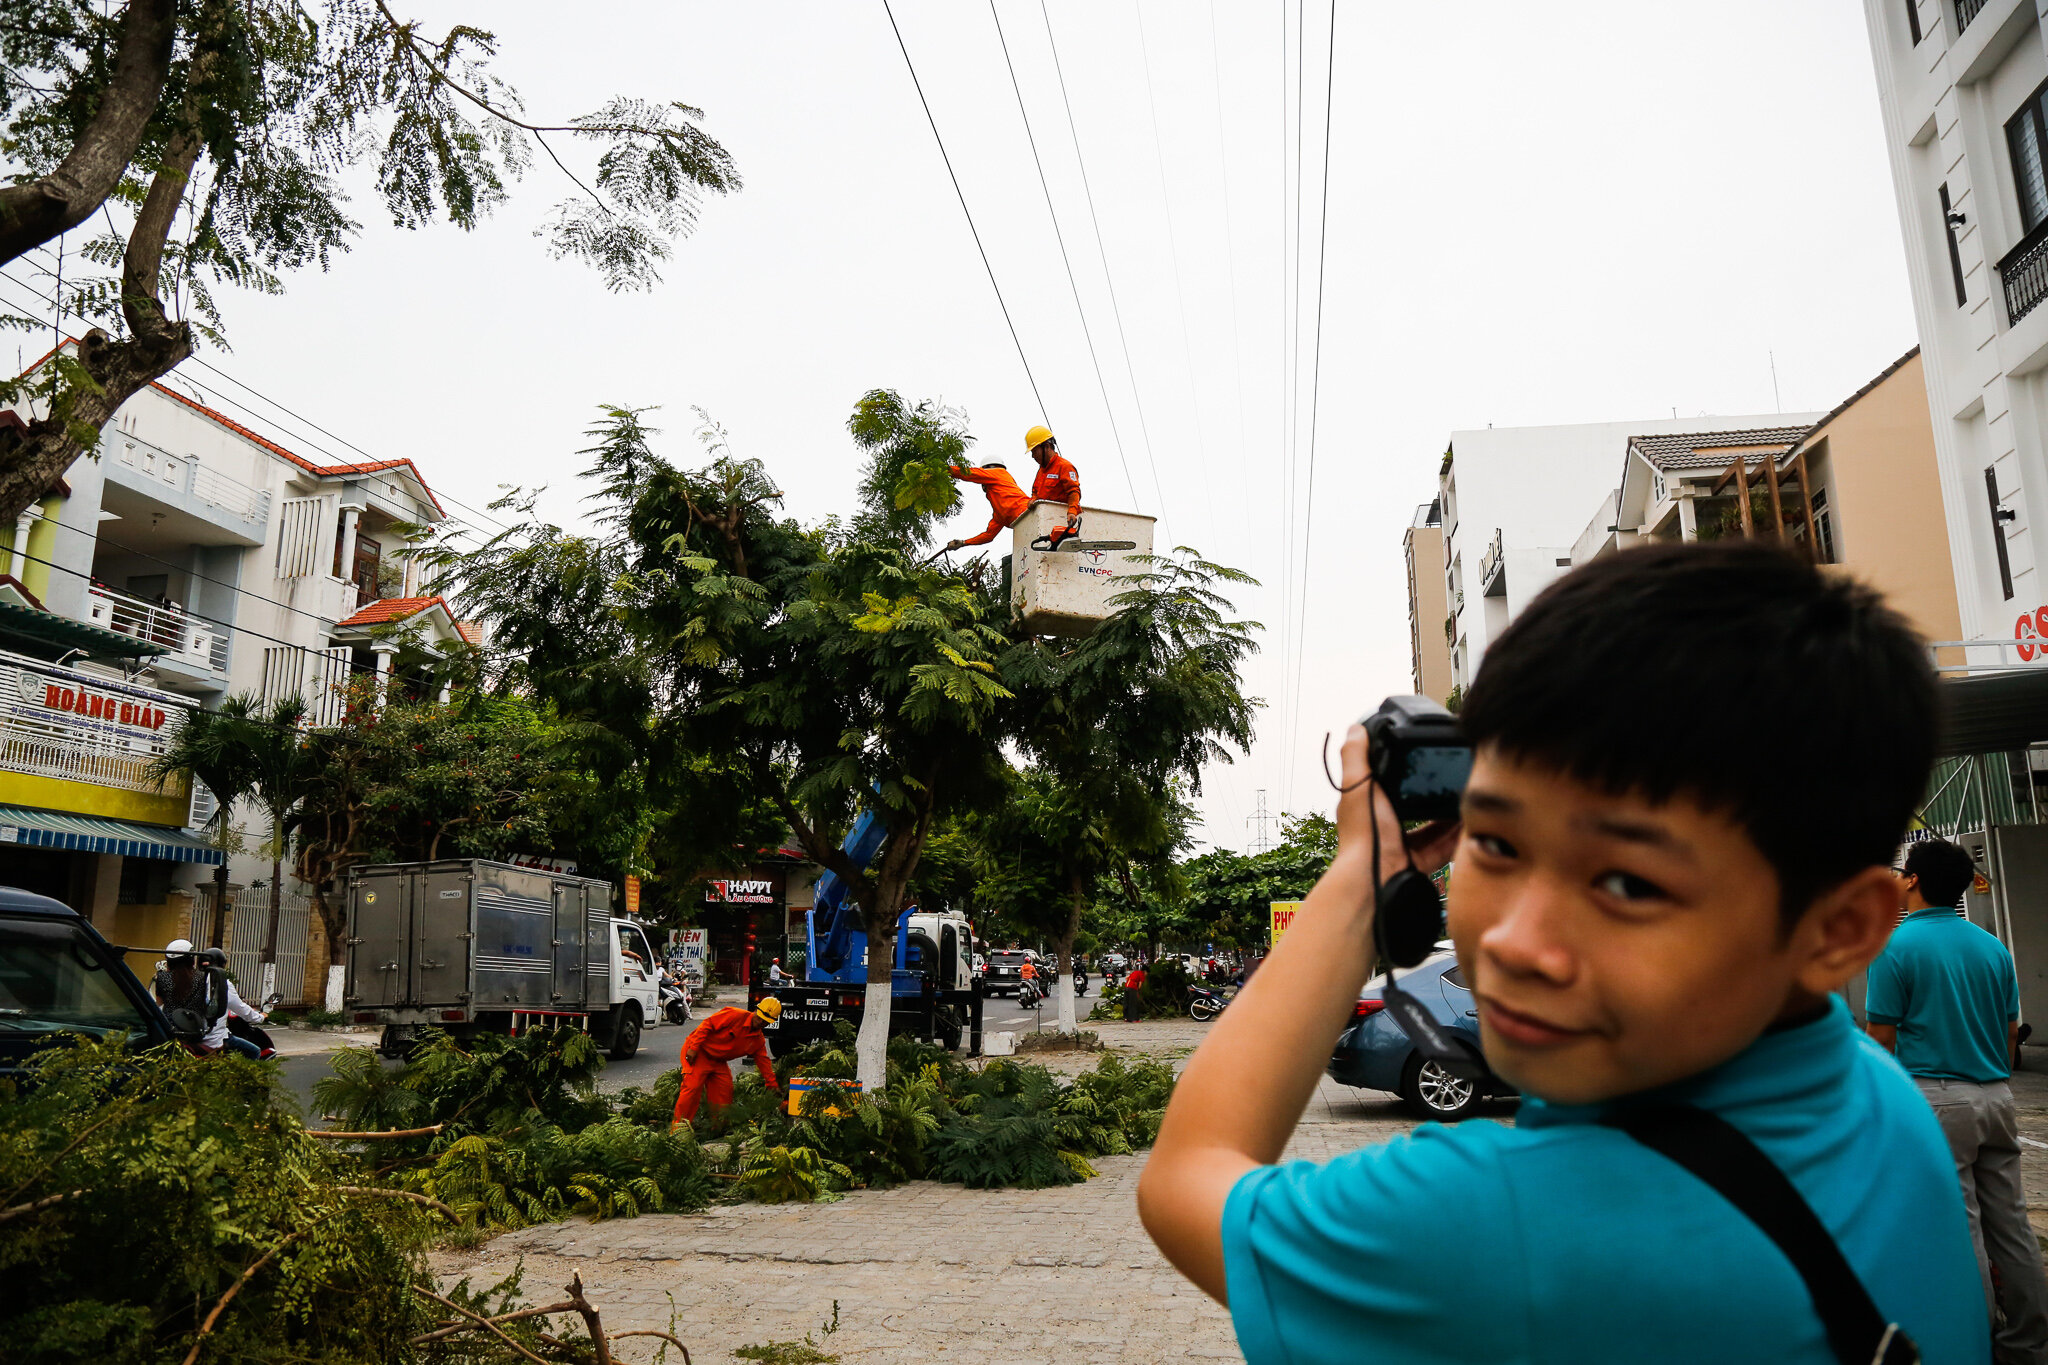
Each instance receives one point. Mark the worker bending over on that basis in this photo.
(1006, 501)
(726, 1036)
(1057, 481)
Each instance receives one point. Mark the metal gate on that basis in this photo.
(248, 922)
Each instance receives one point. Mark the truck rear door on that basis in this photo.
(515, 929)
(377, 947)
(569, 945)
(441, 934)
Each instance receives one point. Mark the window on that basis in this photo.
(1913, 20)
(1456, 977)
(1999, 517)
(1824, 525)
(2026, 137)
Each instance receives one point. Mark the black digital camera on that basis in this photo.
(1419, 757)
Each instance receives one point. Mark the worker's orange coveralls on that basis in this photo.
(1059, 481)
(1006, 501)
(726, 1036)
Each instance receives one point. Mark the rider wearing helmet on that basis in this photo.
(242, 1017)
(194, 995)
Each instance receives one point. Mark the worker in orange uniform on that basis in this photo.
(726, 1036)
(1006, 501)
(1057, 481)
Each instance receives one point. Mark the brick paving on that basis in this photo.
(930, 1272)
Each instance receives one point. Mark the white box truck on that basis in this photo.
(474, 947)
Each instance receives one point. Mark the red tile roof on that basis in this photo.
(391, 609)
(329, 471)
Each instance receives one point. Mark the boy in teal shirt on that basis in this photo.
(1648, 912)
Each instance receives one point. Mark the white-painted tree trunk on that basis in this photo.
(1065, 987)
(335, 979)
(871, 1044)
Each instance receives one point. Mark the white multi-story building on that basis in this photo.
(1963, 86)
(188, 559)
(1513, 502)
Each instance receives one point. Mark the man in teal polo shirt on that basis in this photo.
(1646, 913)
(1945, 998)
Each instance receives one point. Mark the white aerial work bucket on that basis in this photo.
(1068, 592)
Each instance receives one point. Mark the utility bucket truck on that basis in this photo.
(479, 947)
(933, 992)
(1067, 591)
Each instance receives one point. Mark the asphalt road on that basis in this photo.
(660, 1047)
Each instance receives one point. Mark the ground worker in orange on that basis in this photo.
(726, 1036)
(1057, 481)
(1006, 501)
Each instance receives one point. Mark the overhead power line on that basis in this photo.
(962, 196)
(1061, 238)
(1316, 384)
(1102, 253)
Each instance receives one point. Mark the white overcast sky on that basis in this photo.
(1537, 214)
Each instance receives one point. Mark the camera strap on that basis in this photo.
(1721, 1156)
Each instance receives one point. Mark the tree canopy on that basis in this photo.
(212, 138)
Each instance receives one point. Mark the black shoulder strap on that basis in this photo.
(1723, 1157)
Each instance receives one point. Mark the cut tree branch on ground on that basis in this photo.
(36, 1205)
(434, 1204)
(441, 1332)
(590, 1322)
(391, 1133)
(482, 1322)
(650, 1332)
(206, 1328)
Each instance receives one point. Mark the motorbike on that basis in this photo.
(1205, 1004)
(675, 1001)
(1080, 982)
(1029, 994)
(243, 1029)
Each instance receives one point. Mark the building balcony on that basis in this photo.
(1492, 583)
(79, 742)
(227, 508)
(190, 646)
(2023, 274)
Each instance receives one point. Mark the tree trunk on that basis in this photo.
(33, 213)
(1065, 985)
(34, 458)
(269, 958)
(220, 904)
(871, 1045)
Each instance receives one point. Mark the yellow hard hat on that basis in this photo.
(770, 1009)
(1037, 437)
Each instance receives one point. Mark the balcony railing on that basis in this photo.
(1966, 10)
(188, 639)
(2024, 273)
(184, 474)
(95, 731)
(1489, 566)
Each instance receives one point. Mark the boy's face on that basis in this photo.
(1613, 945)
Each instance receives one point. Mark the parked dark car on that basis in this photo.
(58, 975)
(1374, 1053)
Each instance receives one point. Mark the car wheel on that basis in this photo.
(1434, 1093)
(626, 1037)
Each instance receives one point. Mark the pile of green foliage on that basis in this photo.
(524, 1136)
(135, 1191)
(1007, 1124)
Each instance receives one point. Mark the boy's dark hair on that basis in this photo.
(1945, 871)
(1734, 673)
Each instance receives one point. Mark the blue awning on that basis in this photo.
(93, 834)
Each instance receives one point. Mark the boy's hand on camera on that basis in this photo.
(1363, 804)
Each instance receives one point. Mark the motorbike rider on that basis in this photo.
(242, 1017)
(194, 996)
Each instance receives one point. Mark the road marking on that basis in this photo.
(2031, 1143)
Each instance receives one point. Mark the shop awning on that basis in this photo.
(40, 632)
(1988, 713)
(92, 834)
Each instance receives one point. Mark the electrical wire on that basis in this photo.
(1316, 384)
(1061, 238)
(1115, 310)
(1229, 242)
(962, 195)
(1173, 251)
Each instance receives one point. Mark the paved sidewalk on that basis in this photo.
(927, 1271)
(932, 1272)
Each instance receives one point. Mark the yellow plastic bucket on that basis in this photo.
(801, 1085)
